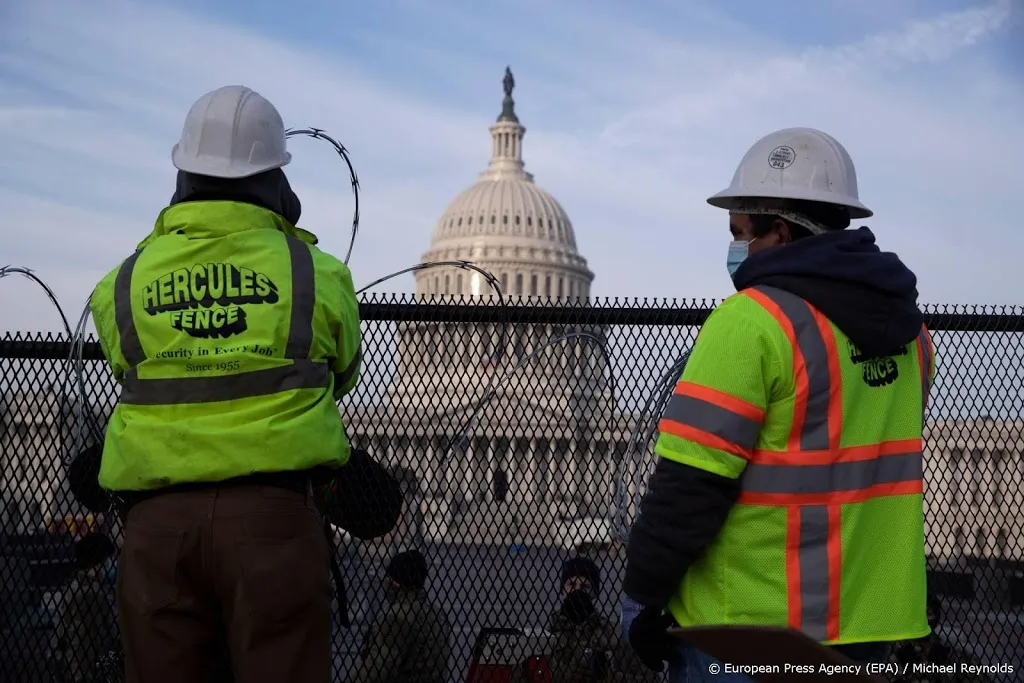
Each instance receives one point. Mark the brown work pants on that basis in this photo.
(242, 568)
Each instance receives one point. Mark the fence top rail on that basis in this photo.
(625, 312)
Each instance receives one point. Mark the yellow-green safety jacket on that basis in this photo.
(231, 336)
(827, 535)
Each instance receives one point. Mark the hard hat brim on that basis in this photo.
(728, 198)
(216, 168)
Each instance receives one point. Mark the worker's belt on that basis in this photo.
(292, 481)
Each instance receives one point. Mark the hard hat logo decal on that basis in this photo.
(781, 157)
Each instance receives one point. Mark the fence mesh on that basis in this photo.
(513, 458)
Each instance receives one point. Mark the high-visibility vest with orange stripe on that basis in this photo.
(231, 335)
(827, 535)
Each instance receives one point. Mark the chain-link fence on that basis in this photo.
(509, 428)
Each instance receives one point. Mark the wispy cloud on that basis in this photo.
(634, 117)
(929, 40)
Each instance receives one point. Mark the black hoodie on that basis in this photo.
(869, 295)
(269, 190)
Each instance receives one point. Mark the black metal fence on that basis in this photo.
(509, 427)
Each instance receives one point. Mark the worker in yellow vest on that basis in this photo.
(231, 336)
(788, 488)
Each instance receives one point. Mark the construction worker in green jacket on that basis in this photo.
(231, 336)
(788, 488)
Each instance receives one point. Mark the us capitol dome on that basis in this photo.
(506, 224)
(541, 455)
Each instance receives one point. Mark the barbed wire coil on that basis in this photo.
(30, 274)
(319, 134)
(637, 447)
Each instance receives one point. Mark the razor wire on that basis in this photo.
(319, 134)
(76, 354)
(465, 265)
(81, 420)
(489, 277)
(636, 448)
(27, 272)
(491, 280)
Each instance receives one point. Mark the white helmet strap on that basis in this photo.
(755, 209)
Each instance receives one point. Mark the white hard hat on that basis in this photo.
(231, 132)
(795, 163)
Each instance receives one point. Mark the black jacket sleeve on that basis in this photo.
(682, 512)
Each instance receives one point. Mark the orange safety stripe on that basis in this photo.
(835, 568)
(814, 477)
(799, 366)
(720, 398)
(817, 410)
(899, 488)
(712, 418)
(702, 438)
(845, 454)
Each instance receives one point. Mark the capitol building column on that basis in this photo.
(490, 465)
(509, 466)
(529, 469)
(467, 468)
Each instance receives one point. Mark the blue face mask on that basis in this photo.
(738, 250)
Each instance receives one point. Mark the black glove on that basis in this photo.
(362, 497)
(648, 637)
(83, 479)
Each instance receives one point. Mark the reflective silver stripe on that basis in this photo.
(299, 374)
(300, 332)
(343, 377)
(814, 435)
(302, 373)
(713, 419)
(131, 347)
(926, 367)
(813, 560)
(834, 477)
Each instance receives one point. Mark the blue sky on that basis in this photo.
(635, 113)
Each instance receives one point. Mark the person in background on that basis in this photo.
(231, 336)
(19, 601)
(588, 646)
(410, 640)
(86, 621)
